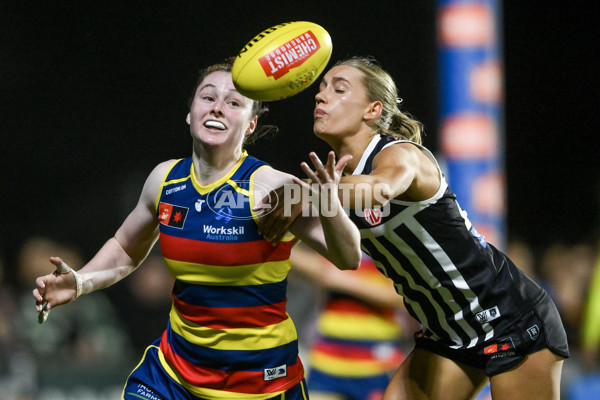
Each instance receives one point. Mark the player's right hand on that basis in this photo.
(55, 289)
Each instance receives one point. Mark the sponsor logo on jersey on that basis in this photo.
(504, 348)
(488, 315)
(198, 204)
(172, 215)
(221, 230)
(144, 392)
(175, 189)
(274, 373)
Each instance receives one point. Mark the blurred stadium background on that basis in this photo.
(94, 94)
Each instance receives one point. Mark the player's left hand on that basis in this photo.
(326, 178)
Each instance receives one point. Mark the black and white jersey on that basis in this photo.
(460, 288)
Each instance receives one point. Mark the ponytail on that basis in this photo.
(403, 126)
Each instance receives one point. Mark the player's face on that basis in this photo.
(219, 114)
(341, 102)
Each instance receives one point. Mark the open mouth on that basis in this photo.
(215, 125)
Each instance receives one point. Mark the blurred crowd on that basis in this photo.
(87, 349)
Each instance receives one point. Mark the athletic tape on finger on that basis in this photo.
(62, 269)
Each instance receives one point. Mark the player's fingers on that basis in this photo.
(37, 295)
(320, 169)
(341, 164)
(277, 238)
(280, 230)
(301, 182)
(331, 164)
(264, 222)
(310, 174)
(40, 282)
(61, 266)
(40, 289)
(56, 261)
(266, 226)
(43, 306)
(270, 223)
(260, 204)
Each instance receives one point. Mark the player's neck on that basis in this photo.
(209, 167)
(354, 145)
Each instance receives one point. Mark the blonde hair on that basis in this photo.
(381, 87)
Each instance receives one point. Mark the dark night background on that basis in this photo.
(94, 94)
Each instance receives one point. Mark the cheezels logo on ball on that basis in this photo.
(282, 60)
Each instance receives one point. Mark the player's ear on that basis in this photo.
(187, 118)
(373, 110)
(252, 126)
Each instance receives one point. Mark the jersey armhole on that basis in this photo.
(288, 236)
(162, 184)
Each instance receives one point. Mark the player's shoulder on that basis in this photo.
(402, 145)
(163, 167)
(270, 176)
(159, 173)
(397, 152)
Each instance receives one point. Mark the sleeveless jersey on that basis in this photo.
(229, 335)
(460, 288)
(355, 338)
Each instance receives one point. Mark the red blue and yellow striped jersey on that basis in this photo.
(354, 338)
(229, 334)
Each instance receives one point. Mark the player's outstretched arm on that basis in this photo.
(119, 256)
(325, 227)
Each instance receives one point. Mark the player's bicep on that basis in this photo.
(139, 231)
(395, 168)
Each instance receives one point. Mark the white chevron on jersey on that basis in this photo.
(443, 309)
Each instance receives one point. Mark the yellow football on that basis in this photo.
(282, 61)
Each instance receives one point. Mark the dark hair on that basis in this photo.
(258, 108)
(381, 87)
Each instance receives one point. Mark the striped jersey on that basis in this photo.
(229, 334)
(355, 338)
(460, 288)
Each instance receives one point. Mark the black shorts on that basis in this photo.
(539, 329)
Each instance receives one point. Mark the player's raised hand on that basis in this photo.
(329, 173)
(323, 183)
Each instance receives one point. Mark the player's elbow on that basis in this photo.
(382, 193)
